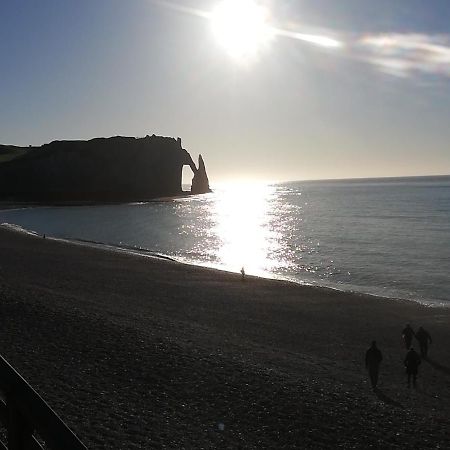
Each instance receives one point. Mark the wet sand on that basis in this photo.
(136, 352)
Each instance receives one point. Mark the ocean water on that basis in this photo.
(388, 237)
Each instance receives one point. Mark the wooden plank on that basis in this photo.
(33, 444)
(3, 417)
(3, 420)
(28, 403)
(19, 428)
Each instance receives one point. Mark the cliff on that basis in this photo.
(102, 169)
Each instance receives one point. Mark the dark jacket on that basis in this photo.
(412, 361)
(408, 333)
(373, 358)
(423, 336)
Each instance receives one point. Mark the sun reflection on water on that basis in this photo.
(242, 217)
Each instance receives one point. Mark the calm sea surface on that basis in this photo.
(388, 237)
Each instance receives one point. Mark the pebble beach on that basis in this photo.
(135, 352)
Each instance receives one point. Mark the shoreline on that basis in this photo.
(137, 352)
(151, 254)
(14, 204)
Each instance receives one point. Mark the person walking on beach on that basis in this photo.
(407, 335)
(412, 362)
(424, 339)
(373, 360)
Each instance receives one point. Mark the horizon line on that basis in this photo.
(390, 177)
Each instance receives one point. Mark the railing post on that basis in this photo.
(24, 412)
(20, 431)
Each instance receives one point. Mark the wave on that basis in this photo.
(18, 229)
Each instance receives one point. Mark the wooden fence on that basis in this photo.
(23, 412)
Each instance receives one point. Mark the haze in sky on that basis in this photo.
(273, 90)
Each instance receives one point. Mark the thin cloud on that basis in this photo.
(407, 54)
(316, 39)
(400, 54)
(183, 9)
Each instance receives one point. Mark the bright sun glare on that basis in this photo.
(241, 27)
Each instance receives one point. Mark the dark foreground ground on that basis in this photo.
(137, 353)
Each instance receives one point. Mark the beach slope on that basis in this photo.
(135, 352)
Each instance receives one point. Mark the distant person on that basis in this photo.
(373, 360)
(407, 335)
(424, 339)
(412, 362)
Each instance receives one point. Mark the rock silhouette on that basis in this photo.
(101, 169)
(200, 182)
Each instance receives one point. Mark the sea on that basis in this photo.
(385, 237)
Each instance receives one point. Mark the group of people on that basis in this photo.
(411, 361)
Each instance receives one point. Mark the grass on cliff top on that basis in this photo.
(9, 154)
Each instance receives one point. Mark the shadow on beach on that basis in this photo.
(437, 366)
(385, 399)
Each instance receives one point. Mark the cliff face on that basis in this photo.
(102, 169)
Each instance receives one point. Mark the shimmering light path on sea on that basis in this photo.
(384, 237)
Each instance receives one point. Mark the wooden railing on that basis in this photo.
(23, 413)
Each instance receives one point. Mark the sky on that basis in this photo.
(375, 104)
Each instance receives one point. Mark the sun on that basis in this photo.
(241, 27)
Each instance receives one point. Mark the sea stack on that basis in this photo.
(200, 182)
